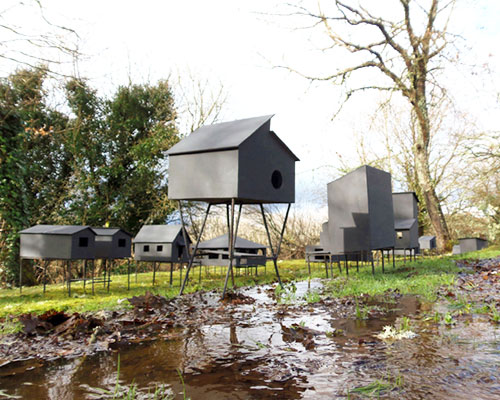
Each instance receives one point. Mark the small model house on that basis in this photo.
(58, 242)
(246, 252)
(360, 212)
(161, 243)
(242, 160)
(427, 242)
(112, 243)
(472, 244)
(405, 220)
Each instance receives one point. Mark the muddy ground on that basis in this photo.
(261, 344)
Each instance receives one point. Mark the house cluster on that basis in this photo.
(235, 164)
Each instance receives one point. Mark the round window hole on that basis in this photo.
(276, 179)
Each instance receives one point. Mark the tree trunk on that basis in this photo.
(428, 189)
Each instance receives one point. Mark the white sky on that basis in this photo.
(235, 42)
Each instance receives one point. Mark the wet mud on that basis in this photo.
(261, 344)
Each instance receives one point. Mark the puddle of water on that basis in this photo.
(266, 350)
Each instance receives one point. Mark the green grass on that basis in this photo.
(420, 277)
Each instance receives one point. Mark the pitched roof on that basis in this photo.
(56, 229)
(426, 237)
(108, 231)
(158, 233)
(221, 242)
(404, 224)
(413, 193)
(225, 135)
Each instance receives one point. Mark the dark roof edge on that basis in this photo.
(203, 151)
(277, 138)
(413, 193)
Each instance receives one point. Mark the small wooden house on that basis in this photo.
(58, 242)
(472, 244)
(161, 243)
(405, 220)
(242, 160)
(246, 252)
(360, 212)
(427, 242)
(112, 243)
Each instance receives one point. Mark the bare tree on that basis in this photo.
(200, 101)
(399, 53)
(43, 44)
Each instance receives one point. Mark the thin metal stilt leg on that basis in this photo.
(20, 275)
(45, 265)
(231, 248)
(171, 272)
(373, 264)
(128, 274)
(382, 255)
(69, 278)
(191, 258)
(275, 255)
(93, 271)
(84, 276)
(154, 272)
(346, 265)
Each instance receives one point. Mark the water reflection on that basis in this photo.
(249, 352)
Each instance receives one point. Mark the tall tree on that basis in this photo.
(33, 162)
(400, 53)
(118, 148)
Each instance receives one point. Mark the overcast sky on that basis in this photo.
(238, 43)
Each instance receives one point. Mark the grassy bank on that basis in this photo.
(420, 277)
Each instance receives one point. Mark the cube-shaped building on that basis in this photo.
(242, 160)
(360, 212)
(472, 244)
(246, 252)
(112, 243)
(405, 220)
(161, 243)
(58, 242)
(427, 242)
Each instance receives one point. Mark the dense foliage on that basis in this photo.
(101, 162)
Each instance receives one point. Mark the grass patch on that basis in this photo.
(421, 277)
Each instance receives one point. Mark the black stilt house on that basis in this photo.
(215, 252)
(360, 212)
(161, 243)
(233, 163)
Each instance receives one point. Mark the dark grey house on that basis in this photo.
(112, 243)
(241, 160)
(427, 242)
(246, 253)
(472, 244)
(360, 212)
(233, 163)
(161, 243)
(406, 221)
(58, 242)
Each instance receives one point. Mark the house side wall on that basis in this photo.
(405, 206)
(121, 252)
(43, 246)
(348, 219)
(381, 211)
(83, 253)
(203, 176)
(165, 255)
(259, 157)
